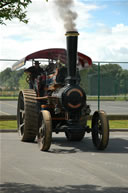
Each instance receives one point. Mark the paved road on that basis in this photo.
(111, 107)
(67, 168)
(8, 107)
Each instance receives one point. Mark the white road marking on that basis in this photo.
(8, 104)
(4, 113)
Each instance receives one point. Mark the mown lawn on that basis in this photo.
(14, 95)
(8, 125)
(114, 124)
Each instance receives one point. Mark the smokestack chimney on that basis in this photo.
(71, 37)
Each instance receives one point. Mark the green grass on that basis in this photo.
(108, 98)
(14, 95)
(4, 125)
(114, 124)
(9, 94)
(9, 97)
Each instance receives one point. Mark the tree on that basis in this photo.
(10, 79)
(84, 79)
(22, 82)
(5, 75)
(10, 9)
(124, 81)
(111, 69)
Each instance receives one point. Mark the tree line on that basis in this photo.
(113, 79)
(11, 80)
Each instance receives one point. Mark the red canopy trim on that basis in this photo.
(54, 54)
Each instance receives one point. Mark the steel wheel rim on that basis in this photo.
(21, 118)
(41, 135)
(99, 130)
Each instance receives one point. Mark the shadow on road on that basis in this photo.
(116, 145)
(29, 188)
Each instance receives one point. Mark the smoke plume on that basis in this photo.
(66, 14)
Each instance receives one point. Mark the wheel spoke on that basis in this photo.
(21, 110)
(100, 130)
(21, 125)
(41, 135)
(22, 113)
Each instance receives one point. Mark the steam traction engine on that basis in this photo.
(62, 107)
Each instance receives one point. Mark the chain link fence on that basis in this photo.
(102, 81)
(106, 81)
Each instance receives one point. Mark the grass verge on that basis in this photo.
(114, 124)
(108, 98)
(8, 97)
(117, 124)
(92, 98)
(8, 125)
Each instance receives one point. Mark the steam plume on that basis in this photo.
(66, 13)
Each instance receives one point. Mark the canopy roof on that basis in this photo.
(54, 54)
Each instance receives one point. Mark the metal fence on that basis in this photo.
(106, 81)
(97, 82)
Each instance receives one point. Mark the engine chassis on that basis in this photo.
(31, 108)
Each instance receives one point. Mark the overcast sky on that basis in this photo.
(102, 25)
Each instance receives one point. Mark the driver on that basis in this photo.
(34, 72)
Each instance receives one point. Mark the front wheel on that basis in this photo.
(100, 130)
(45, 131)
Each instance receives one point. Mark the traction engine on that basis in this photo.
(61, 108)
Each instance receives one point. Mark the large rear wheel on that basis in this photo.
(27, 115)
(45, 131)
(100, 130)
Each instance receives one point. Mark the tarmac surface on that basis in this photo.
(111, 107)
(69, 167)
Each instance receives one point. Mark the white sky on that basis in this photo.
(103, 28)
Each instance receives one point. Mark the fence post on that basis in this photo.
(98, 86)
